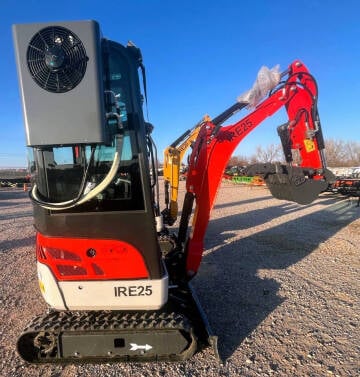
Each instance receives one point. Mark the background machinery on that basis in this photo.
(348, 186)
(116, 281)
(173, 157)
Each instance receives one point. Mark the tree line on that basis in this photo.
(339, 153)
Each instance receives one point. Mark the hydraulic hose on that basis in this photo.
(91, 194)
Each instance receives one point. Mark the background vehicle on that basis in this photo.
(173, 157)
(115, 279)
(348, 185)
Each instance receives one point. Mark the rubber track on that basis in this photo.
(38, 342)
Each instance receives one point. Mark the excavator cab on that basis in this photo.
(92, 191)
(63, 172)
(99, 260)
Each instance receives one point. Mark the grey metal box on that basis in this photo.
(69, 111)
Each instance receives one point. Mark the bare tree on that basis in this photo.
(353, 153)
(341, 153)
(335, 152)
(238, 161)
(270, 153)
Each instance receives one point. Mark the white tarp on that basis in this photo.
(266, 80)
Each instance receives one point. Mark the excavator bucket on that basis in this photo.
(284, 187)
(292, 183)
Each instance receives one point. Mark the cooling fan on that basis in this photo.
(56, 59)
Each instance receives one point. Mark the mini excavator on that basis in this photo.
(116, 281)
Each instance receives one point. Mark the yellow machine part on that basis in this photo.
(173, 156)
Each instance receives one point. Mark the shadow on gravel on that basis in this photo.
(235, 299)
(16, 215)
(8, 245)
(6, 195)
(219, 229)
(240, 202)
(246, 201)
(8, 204)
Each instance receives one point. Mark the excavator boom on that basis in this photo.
(301, 180)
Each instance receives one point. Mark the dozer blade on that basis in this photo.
(173, 333)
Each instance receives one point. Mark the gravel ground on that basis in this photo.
(279, 283)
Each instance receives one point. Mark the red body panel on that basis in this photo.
(90, 259)
(303, 100)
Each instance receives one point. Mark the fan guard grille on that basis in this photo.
(56, 59)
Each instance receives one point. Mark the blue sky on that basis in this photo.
(200, 55)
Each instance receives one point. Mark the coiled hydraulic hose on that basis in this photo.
(84, 198)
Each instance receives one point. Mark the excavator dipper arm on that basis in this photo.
(302, 142)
